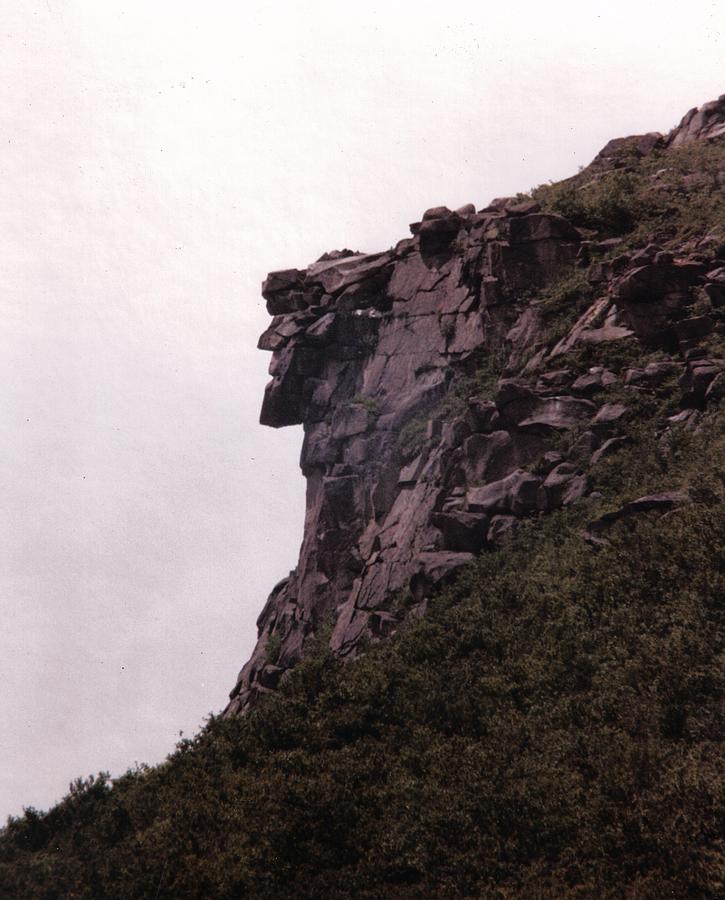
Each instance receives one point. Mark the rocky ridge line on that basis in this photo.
(407, 476)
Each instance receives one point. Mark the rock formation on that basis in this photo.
(439, 410)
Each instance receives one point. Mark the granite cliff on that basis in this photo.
(497, 669)
(476, 374)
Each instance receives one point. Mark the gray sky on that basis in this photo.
(157, 160)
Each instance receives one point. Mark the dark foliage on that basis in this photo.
(550, 729)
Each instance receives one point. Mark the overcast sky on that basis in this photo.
(157, 160)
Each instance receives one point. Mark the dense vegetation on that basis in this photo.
(549, 730)
(669, 195)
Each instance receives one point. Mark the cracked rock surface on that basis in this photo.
(408, 476)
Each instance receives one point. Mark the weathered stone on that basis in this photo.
(482, 416)
(596, 379)
(270, 675)
(609, 413)
(659, 503)
(586, 443)
(439, 222)
(693, 329)
(599, 324)
(317, 395)
(622, 148)
(463, 531)
(610, 446)
(322, 331)
(685, 418)
(485, 456)
(338, 274)
(653, 375)
(271, 340)
(436, 212)
(554, 379)
(500, 527)
(433, 568)
(698, 375)
(454, 433)
(716, 389)
(523, 208)
(716, 294)
(280, 283)
(563, 486)
(349, 420)
(705, 123)
(558, 413)
(541, 227)
(409, 474)
(650, 294)
(318, 448)
(516, 495)
(550, 459)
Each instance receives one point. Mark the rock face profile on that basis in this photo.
(447, 392)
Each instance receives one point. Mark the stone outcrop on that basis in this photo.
(705, 123)
(410, 470)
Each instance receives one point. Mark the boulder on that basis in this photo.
(514, 400)
(652, 376)
(596, 379)
(610, 446)
(514, 495)
(438, 223)
(597, 325)
(658, 503)
(705, 123)
(270, 675)
(649, 296)
(382, 623)
(437, 212)
(559, 413)
(486, 454)
(322, 331)
(553, 379)
(610, 413)
(434, 568)
(563, 486)
(463, 531)
(522, 208)
(500, 527)
(693, 329)
(716, 390)
(541, 227)
(271, 339)
(695, 381)
(277, 287)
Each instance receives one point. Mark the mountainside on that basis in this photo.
(478, 373)
(497, 669)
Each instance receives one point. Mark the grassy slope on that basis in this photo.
(549, 730)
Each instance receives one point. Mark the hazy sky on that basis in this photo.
(158, 159)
